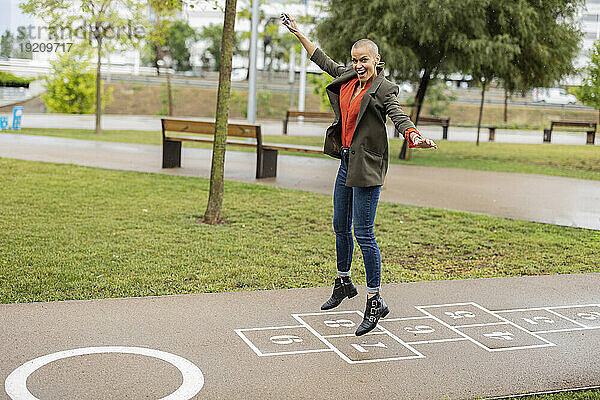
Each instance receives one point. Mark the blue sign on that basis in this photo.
(16, 121)
(17, 116)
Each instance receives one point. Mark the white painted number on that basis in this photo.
(499, 335)
(346, 323)
(419, 329)
(285, 339)
(534, 320)
(460, 314)
(362, 349)
(590, 316)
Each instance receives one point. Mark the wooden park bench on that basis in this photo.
(266, 153)
(443, 122)
(589, 126)
(308, 115)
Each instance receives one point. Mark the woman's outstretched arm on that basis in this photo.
(316, 55)
(403, 124)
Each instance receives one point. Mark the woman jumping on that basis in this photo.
(361, 97)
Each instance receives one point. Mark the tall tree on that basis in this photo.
(548, 37)
(180, 36)
(535, 44)
(7, 44)
(163, 14)
(215, 197)
(177, 39)
(103, 22)
(417, 39)
(213, 36)
(589, 91)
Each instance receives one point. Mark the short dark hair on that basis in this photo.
(369, 44)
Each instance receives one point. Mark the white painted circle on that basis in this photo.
(193, 380)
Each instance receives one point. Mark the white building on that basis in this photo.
(590, 25)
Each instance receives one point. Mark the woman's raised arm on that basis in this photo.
(316, 55)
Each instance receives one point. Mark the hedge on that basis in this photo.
(9, 80)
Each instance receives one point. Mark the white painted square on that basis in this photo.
(538, 320)
(334, 323)
(372, 348)
(460, 314)
(504, 336)
(419, 330)
(587, 316)
(272, 341)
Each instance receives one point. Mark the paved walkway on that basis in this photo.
(269, 127)
(549, 199)
(460, 339)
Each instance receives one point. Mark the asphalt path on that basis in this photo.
(548, 199)
(460, 339)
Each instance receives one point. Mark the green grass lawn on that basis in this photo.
(582, 395)
(71, 232)
(559, 160)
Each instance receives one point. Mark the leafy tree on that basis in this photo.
(535, 44)
(530, 39)
(70, 88)
(104, 21)
(548, 38)
(176, 39)
(163, 12)
(418, 40)
(7, 44)
(589, 92)
(20, 49)
(213, 35)
(180, 37)
(489, 56)
(319, 83)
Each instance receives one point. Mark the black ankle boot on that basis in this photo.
(342, 288)
(376, 308)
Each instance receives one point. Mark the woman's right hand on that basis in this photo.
(291, 25)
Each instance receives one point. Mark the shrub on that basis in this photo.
(10, 80)
(71, 88)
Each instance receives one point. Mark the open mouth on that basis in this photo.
(361, 72)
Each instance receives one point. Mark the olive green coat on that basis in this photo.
(368, 159)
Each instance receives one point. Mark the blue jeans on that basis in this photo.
(356, 205)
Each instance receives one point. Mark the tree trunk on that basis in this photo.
(169, 92)
(161, 56)
(420, 97)
(480, 110)
(215, 196)
(415, 112)
(271, 61)
(99, 86)
(505, 105)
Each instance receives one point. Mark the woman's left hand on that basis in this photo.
(423, 143)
